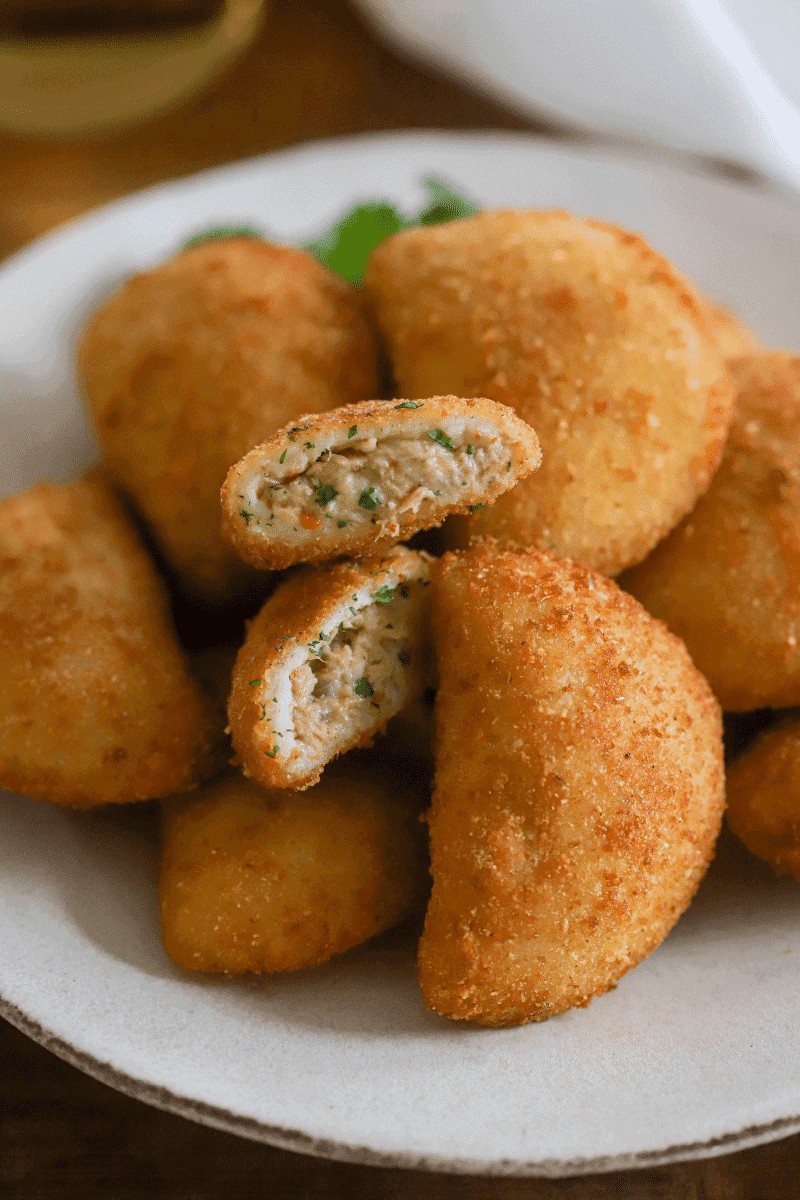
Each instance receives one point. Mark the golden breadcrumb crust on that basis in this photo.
(727, 580)
(96, 703)
(579, 786)
(191, 364)
(590, 336)
(764, 797)
(734, 338)
(255, 880)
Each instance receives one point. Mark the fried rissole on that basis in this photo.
(591, 337)
(191, 364)
(255, 880)
(579, 786)
(727, 580)
(96, 703)
(356, 480)
(763, 801)
(335, 652)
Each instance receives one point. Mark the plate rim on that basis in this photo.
(334, 1150)
(294, 1139)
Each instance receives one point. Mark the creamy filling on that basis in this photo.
(378, 481)
(364, 672)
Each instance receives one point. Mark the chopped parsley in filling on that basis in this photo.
(368, 480)
(363, 672)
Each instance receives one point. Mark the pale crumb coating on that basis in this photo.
(255, 880)
(579, 786)
(591, 337)
(764, 797)
(97, 705)
(727, 580)
(734, 338)
(191, 364)
(335, 653)
(359, 479)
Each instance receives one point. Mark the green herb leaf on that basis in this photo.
(324, 493)
(444, 204)
(346, 247)
(475, 507)
(470, 449)
(272, 753)
(283, 456)
(352, 431)
(438, 435)
(341, 524)
(247, 516)
(218, 232)
(384, 595)
(364, 688)
(253, 682)
(370, 498)
(410, 404)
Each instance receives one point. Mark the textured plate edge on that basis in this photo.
(302, 1143)
(568, 145)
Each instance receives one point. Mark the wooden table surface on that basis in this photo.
(315, 72)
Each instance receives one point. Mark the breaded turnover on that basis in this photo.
(734, 338)
(579, 786)
(763, 801)
(591, 337)
(96, 703)
(356, 480)
(727, 580)
(191, 364)
(334, 653)
(255, 880)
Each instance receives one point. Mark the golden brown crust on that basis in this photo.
(587, 334)
(727, 580)
(291, 620)
(191, 364)
(96, 703)
(579, 786)
(764, 797)
(734, 338)
(253, 880)
(336, 529)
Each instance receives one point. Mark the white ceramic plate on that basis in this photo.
(696, 1051)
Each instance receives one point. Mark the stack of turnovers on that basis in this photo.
(560, 402)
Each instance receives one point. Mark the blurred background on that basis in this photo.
(100, 97)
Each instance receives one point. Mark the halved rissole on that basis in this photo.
(360, 478)
(333, 655)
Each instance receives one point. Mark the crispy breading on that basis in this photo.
(590, 336)
(727, 580)
(734, 338)
(360, 478)
(335, 652)
(579, 786)
(96, 703)
(191, 364)
(255, 880)
(763, 788)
